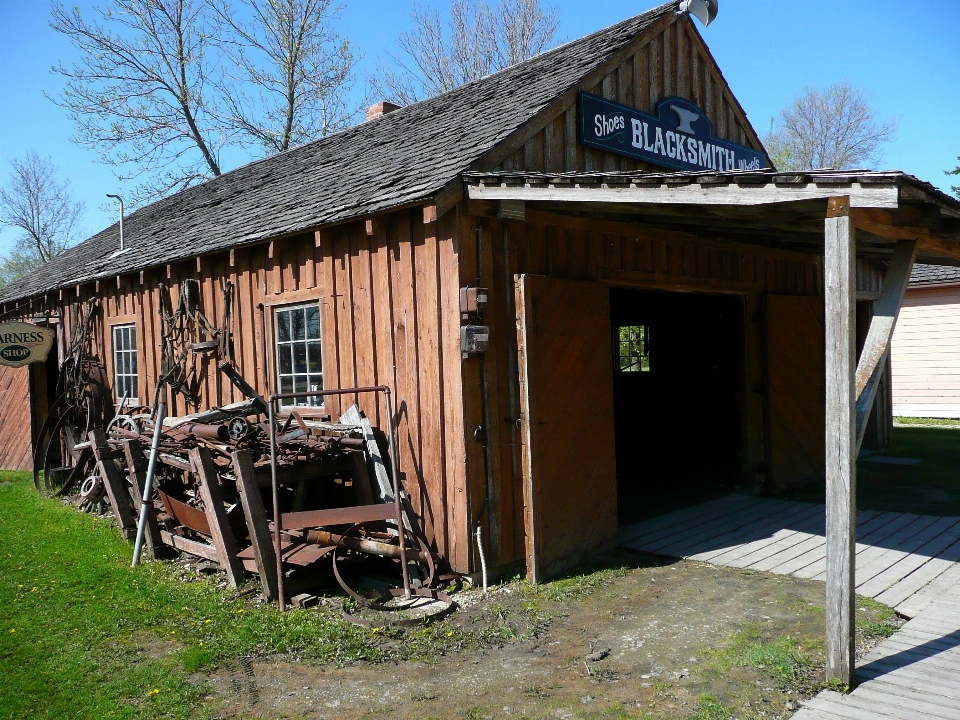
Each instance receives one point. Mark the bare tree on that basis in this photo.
(41, 208)
(955, 171)
(478, 40)
(831, 128)
(292, 72)
(164, 86)
(139, 95)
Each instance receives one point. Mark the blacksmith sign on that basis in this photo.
(680, 136)
(22, 343)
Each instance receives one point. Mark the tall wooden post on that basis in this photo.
(839, 270)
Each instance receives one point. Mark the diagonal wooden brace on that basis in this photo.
(877, 344)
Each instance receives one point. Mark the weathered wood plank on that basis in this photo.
(256, 517)
(841, 471)
(220, 531)
(113, 483)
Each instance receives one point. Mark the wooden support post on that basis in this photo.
(137, 465)
(113, 483)
(220, 531)
(876, 347)
(839, 270)
(256, 517)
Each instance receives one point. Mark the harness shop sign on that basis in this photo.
(23, 343)
(680, 136)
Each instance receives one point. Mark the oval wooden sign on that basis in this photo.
(22, 343)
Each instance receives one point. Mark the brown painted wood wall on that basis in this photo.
(672, 62)
(389, 299)
(616, 254)
(15, 449)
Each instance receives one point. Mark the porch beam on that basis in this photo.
(876, 347)
(857, 195)
(839, 270)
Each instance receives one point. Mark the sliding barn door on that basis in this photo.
(796, 375)
(566, 393)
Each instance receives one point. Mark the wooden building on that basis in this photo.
(656, 327)
(926, 345)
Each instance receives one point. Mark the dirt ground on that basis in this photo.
(655, 639)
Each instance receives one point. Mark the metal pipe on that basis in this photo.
(145, 498)
(276, 500)
(396, 494)
(263, 347)
(120, 199)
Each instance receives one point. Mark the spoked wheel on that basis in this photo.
(61, 474)
(427, 604)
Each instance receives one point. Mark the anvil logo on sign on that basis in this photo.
(22, 343)
(679, 136)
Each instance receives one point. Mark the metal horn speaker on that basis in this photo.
(705, 10)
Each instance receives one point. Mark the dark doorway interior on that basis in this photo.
(677, 373)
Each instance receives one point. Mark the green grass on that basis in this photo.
(926, 422)
(83, 635)
(931, 487)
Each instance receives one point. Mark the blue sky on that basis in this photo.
(906, 54)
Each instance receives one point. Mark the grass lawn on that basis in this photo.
(930, 487)
(98, 639)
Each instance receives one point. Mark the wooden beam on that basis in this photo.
(839, 270)
(112, 482)
(871, 196)
(881, 223)
(936, 244)
(877, 343)
(137, 467)
(256, 517)
(193, 547)
(220, 531)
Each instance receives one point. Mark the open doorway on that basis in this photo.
(677, 374)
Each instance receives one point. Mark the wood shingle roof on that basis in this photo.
(401, 158)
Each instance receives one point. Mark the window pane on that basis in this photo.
(286, 385)
(133, 338)
(316, 382)
(283, 325)
(313, 323)
(314, 356)
(297, 319)
(300, 384)
(135, 387)
(299, 357)
(283, 353)
(133, 363)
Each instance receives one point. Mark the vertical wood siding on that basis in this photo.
(15, 449)
(616, 254)
(389, 298)
(926, 349)
(675, 62)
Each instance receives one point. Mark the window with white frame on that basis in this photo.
(126, 380)
(299, 366)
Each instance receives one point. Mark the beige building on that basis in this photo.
(926, 345)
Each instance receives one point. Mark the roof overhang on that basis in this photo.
(762, 207)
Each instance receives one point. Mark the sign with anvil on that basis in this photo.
(22, 343)
(679, 136)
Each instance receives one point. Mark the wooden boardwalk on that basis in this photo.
(904, 560)
(910, 562)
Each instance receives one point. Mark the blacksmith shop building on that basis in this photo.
(654, 330)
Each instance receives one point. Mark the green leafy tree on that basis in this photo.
(41, 209)
(955, 171)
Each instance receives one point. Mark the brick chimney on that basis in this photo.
(381, 108)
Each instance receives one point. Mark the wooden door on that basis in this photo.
(796, 376)
(566, 394)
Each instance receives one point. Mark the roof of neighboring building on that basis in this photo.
(934, 275)
(403, 157)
